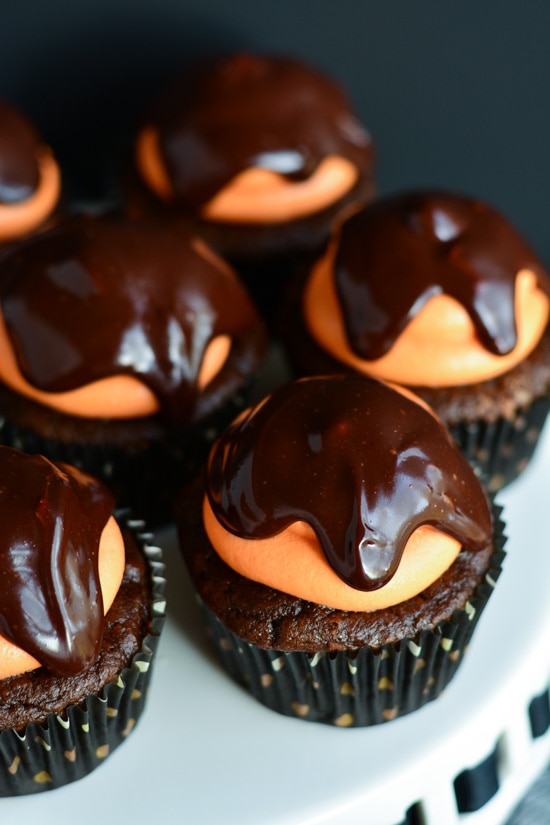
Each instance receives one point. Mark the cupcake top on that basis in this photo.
(250, 139)
(428, 288)
(29, 176)
(62, 561)
(342, 491)
(108, 318)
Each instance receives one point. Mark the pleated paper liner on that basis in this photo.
(502, 449)
(69, 746)
(358, 688)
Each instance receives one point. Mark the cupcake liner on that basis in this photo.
(500, 450)
(68, 746)
(364, 687)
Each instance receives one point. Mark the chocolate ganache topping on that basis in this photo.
(19, 145)
(395, 255)
(362, 464)
(97, 297)
(50, 596)
(247, 111)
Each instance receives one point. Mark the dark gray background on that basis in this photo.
(455, 94)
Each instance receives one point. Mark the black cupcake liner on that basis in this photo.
(364, 687)
(68, 746)
(500, 450)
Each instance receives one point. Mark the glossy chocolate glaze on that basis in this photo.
(98, 297)
(247, 111)
(52, 517)
(19, 145)
(355, 459)
(396, 254)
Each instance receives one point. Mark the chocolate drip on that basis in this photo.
(94, 298)
(359, 462)
(52, 517)
(249, 111)
(19, 146)
(398, 253)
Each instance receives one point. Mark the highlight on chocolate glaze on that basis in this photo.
(30, 179)
(173, 317)
(253, 139)
(428, 269)
(361, 463)
(54, 587)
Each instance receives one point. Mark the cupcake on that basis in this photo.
(124, 347)
(261, 153)
(343, 550)
(436, 292)
(30, 180)
(81, 612)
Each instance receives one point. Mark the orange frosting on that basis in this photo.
(256, 195)
(20, 218)
(118, 396)
(294, 563)
(439, 346)
(150, 163)
(14, 660)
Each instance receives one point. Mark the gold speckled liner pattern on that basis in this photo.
(67, 747)
(502, 449)
(361, 687)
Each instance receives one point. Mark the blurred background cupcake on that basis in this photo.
(126, 347)
(30, 178)
(261, 153)
(438, 292)
(78, 629)
(343, 551)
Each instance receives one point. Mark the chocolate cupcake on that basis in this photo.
(343, 551)
(30, 179)
(82, 607)
(126, 346)
(261, 153)
(437, 292)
